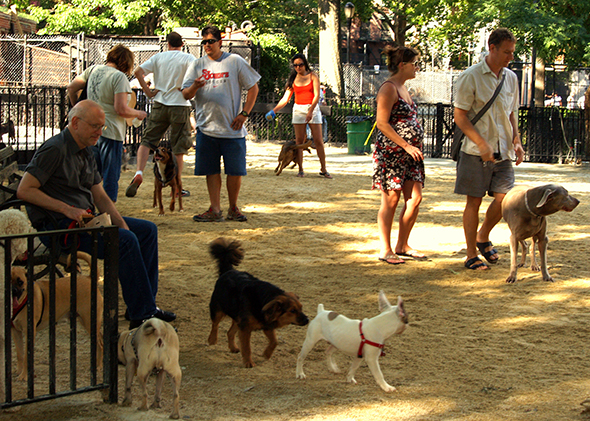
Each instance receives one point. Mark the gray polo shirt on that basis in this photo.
(66, 173)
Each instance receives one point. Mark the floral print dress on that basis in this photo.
(392, 165)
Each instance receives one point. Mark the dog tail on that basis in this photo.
(228, 253)
(320, 308)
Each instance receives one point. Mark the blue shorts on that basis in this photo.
(209, 151)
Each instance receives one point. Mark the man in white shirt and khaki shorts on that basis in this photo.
(170, 109)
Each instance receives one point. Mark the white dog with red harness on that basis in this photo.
(342, 333)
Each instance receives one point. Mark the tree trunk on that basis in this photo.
(330, 63)
(587, 119)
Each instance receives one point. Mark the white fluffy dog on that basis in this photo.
(12, 222)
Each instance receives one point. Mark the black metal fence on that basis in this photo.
(549, 134)
(62, 376)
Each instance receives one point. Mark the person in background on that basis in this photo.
(170, 109)
(109, 87)
(304, 85)
(216, 81)
(398, 161)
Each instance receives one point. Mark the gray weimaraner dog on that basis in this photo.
(525, 210)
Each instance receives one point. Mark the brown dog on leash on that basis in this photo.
(525, 209)
(251, 303)
(166, 174)
(153, 345)
(288, 154)
(41, 309)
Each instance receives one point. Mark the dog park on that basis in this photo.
(475, 348)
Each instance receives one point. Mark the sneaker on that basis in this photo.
(185, 193)
(135, 183)
(234, 214)
(209, 216)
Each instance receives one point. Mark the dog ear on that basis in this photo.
(383, 302)
(272, 310)
(401, 311)
(546, 195)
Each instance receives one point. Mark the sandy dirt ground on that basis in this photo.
(476, 348)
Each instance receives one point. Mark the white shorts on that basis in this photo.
(300, 112)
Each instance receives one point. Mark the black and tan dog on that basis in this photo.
(251, 303)
(166, 174)
(41, 309)
(288, 154)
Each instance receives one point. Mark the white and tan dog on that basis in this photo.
(62, 309)
(357, 338)
(153, 345)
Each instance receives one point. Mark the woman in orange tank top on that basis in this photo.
(305, 85)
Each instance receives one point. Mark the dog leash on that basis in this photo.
(366, 341)
(18, 308)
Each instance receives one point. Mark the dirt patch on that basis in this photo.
(476, 348)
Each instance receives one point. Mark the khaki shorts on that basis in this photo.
(160, 119)
(475, 178)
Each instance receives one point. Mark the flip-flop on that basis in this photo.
(475, 263)
(414, 254)
(488, 254)
(325, 175)
(391, 259)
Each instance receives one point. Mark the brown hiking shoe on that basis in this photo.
(209, 216)
(234, 214)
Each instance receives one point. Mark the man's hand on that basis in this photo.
(519, 151)
(238, 122)
(486, 152)
(152, 93)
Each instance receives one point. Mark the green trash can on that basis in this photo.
(357, 130)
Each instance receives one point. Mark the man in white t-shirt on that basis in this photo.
(216, 81)
(170, 109)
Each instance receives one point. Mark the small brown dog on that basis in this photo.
(41, 309)
(525, 210)
(153, 345)
(288, 154)
(251, 303)
(166, 174)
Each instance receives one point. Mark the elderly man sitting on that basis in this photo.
(62, 178)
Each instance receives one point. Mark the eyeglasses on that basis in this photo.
(298, 64)
(95, 127)
(209, 41)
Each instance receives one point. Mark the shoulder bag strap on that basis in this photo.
(489, 103)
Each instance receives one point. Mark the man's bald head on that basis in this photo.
(86, 122)
(84, 108)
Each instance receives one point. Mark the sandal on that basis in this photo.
(488, 254)
(475, 263)
(414, 254)
(392, 259)
(326, 175)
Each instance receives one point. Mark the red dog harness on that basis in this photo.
(366, 341)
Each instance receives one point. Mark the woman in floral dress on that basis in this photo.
(398, 162)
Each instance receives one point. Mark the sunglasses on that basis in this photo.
(298, 65)
(209, 41)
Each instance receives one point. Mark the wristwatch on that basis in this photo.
(245, 114)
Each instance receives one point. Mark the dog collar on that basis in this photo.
(16, 309)
(133, 344)
(366, 341)
(526, 204)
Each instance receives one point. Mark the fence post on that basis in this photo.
(439, 133)
(111, 305)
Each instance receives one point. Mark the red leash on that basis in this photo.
(366, 341)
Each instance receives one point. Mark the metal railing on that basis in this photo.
(55, 383)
